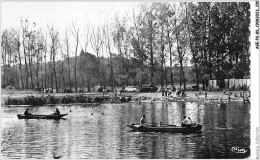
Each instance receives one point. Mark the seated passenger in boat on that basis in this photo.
(186, 122)
(182, 124)
(192, 124)
(57, 112)
(27, 112)
(143, 121)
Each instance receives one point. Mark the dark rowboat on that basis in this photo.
(165, 128)
(33, 116)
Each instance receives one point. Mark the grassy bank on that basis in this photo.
(51, 99)
(38, 98)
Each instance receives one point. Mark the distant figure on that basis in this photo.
(178, 92)
(163, 92)
(244, 87)
(240, 88)
(182, 93)
(103, 91)
(139, 100)
(173, 88)
(57, 112)
(186, 122)
(200, 92)
(119, 93)
(209, 88)
(221, 100)
(182, 124)
(143, 120)
(115, 91)
(241, 95)
(166, 92)
(27, 112)
(206, 94)
(170, 92)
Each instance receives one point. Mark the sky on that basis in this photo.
(62, 14)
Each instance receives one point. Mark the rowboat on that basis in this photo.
(165, 128)
(34, 116)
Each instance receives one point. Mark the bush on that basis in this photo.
(88, 99)
(11, 101)
(38, 101)
(28, 100)
(80, 99)
(51, 100)
(35, 101)
(97, 100)
(67, 99)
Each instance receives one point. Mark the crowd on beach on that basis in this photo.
(206, 96)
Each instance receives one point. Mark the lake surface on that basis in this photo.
(83, 135)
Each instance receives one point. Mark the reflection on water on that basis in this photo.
(100, 132)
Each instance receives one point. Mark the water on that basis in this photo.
(83, 135)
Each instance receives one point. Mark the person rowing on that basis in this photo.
(186, 122)
(27, 112)
(57, 112)
(143, 121)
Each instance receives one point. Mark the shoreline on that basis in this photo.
(191, 96)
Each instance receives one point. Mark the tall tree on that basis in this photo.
(75, 33)
(67, 49)
(96, 43)
(108, 44)
(18, 43)
(24, 25)
(54, 51)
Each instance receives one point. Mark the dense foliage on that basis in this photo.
(163, 43)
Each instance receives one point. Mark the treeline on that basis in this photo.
(154, 44)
